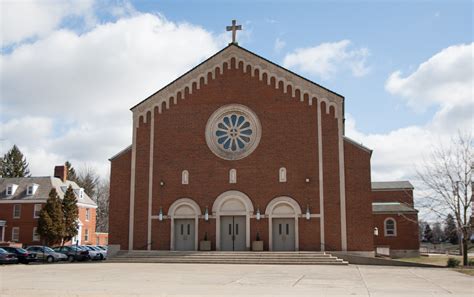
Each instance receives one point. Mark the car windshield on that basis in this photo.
(101, 247)
(88, 248)
(48, 249)
(22, 250)
(94, 248)
(2, 251)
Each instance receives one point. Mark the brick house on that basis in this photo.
(239, 146)
(21, 200)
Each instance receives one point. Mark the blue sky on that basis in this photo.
(398, 34)
(70, 70)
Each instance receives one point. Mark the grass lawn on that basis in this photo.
(439, 260)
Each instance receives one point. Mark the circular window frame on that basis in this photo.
(214, 119)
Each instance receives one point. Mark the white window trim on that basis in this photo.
(282, 175)
(11, 189)
(88, 214)
(86, 235)
(34, 211)
(18, 233)
(36, 236)
(394, 227)
(19, 212)
(232, 176)
(185, 177)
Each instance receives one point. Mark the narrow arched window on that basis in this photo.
(282, 175)
(232, 176)
(390, 227)
(185, 177)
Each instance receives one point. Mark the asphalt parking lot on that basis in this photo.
(120, 279)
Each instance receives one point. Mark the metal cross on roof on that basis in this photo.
(234, 29)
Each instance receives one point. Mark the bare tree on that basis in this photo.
(102, 200)
(446, 173)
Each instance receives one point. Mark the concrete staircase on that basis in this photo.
(214, 257)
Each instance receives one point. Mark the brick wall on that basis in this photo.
(407, 232)
(26, 222)
(402, 195)
(358, 198)
(119, 202)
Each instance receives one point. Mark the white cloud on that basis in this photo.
(327, 59)
(25, 19)
(67, 96)
(446, 79)
(443, 81)
(279, 45)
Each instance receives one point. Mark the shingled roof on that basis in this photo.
(45, 184)
(392, 207)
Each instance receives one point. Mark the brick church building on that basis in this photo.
(240, 149)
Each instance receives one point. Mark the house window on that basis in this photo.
(29, 191)
(233, 176)
(282, 175)
(36, 211)
(11, 188)
(185, 177)
(36, 236)
(16, 211)
(88, 214)
(86, 235)
(16, 234)
(390, 227)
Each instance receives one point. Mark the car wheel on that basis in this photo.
(70, 258)
(50, 259)
(101, 257)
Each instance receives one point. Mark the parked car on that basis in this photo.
(23, 255)
(73, 253)
(7, 257)
(103, 254)
(102, 247)
(95, 255)
(46, 254)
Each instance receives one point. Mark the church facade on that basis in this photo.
(239, 150)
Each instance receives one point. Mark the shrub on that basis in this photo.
(453, 262)
(470, 262)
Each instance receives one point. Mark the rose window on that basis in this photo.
(233, 132)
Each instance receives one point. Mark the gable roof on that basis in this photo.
(45, 184)
(194, 75)
(359, 145)
(392, 185)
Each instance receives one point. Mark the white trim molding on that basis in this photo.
(274, 203)
(218, 212)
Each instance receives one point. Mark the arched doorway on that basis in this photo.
(232, 210)
(184, 214)
(283, 213)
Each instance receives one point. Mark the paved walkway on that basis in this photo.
(117, 279)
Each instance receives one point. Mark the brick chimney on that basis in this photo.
(60, 172)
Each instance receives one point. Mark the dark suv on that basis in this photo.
(73, 253)
(23, 255)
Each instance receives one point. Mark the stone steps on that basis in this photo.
(215, 257)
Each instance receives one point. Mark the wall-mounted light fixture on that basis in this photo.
(308, 213)
(376, 231)
(258, 214)
(162, 183)
(160, 215)
(206, 214)
(307, 180)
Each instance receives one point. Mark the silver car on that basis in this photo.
(103, 253)
(95, 255)
(46, 254)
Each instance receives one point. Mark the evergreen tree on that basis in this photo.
(71, 172)
(51, 220)
(450, 231)
(71, 215)
(428, 233)
(13, 164)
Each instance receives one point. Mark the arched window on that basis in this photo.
(282, 175)
(390, 227)
(185, 177)
(233, 176)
